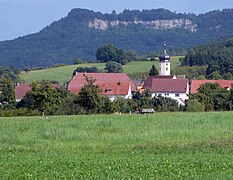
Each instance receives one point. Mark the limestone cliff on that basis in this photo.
(156, 24)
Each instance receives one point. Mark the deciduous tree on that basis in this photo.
(89, 97)
(41, 97)
(113, 67)
(165, 104)
(153, 71)
(193, 105)
(7, 92)
(109, 52)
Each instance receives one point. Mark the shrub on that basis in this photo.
(193, 105)
(58, 65)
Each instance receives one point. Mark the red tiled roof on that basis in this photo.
(166, 85)
(163, 77)
(195, 84)
(113, 88)
(22, 89)
(109, 83)
(148, 82)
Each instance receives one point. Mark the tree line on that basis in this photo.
(112, 56)
(44, 99)
(217, 57)
(70, 38)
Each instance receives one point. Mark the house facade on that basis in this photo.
(113, 85)
(177, 89)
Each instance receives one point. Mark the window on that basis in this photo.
(166, 68)
(177, 95)
(108, 90)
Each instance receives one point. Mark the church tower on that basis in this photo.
(165, 69)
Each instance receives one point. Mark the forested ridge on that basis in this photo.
(71, 37)
(217, 56)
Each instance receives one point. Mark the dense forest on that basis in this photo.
(75, 37)
(217, 56)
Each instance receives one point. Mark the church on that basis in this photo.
(167, 85)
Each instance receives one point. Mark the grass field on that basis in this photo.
(64, 74)
(159, 146)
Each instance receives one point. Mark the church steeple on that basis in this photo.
(165, 64)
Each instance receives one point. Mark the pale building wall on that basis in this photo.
(128, 96)
(179, 97)
(165, 69)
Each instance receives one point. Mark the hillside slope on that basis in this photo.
(82, 31)
(218, 57)
(64, 74)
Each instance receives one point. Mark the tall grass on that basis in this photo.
(161, 146)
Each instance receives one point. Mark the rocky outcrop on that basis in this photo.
(156, 24)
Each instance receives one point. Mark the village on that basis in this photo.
(119, 85)
(116, 89)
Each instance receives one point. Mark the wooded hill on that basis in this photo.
(217, 56)
(82, 32)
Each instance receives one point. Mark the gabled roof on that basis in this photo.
(148, 83)
(166, 85)
(114, 88)
(109, 83)
(22, 89)
(195, 84)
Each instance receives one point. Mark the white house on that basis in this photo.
(113, 85)
(177, 89)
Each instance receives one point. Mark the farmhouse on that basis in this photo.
(22, 89)
(112, 85)
(167, 85)
(196, 84)
(177, 89)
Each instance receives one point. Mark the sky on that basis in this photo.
(22, 17)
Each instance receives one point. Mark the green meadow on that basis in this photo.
(64, 74)
(158, 146)
(61, 74)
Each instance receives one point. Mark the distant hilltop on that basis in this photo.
(83, 31)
